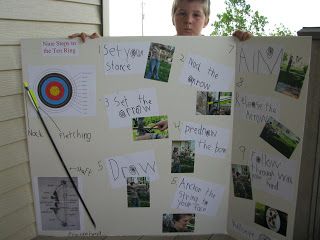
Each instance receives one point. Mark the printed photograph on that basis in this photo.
(59, 204)
(178, 222)
(146, 128)
(293, 70)
(159, 62)
(138, 192)
(213, 103)
(271, 218)
(279, 137)
(241, 181)
(182, 157)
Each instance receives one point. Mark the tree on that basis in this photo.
(281, 30)
(239, 15)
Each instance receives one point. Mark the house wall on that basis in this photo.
(28, 19)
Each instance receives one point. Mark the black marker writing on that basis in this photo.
(271, 171)
(212, 73)
(231, 48)
(189, 186)
(85, 234)
(126, 109)
(181, 58)
(200, 131)
(74, 135)
(132, 169)
(256, 109)
(114, 66)
(81, 170)
(243, 230)
(125, 53)
(240, 82)
(216, 149)
(35, 133)
(199, 83)
(120, 59)
(174, 180)
(194, 64)
(257, 62)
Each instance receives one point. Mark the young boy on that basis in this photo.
(189, 18)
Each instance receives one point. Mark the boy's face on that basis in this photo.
(181, 224)
(189, 18)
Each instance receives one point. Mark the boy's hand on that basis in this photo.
(84, 36)
(242, 36)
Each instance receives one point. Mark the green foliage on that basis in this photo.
(151, 121)
(281, 30)
(305, 68)
(145, 204)
(238, 15)
(187, 169)
(285, 57)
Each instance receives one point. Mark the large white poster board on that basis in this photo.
(144, 126)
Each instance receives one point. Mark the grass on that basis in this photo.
(260, 214)
(294, 78)
(164, 71)
(282, 143)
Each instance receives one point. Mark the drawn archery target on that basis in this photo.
(55, 90)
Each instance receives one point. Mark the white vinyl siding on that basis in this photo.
(18, 20)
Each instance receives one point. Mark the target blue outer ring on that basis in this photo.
(55, 78)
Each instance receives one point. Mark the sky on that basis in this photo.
(126, 15)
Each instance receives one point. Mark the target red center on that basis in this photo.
(54, 90)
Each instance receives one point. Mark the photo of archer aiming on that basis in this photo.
(138, 192)
(182, 157)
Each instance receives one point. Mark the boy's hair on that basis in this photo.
(177, 217)
(205, 3)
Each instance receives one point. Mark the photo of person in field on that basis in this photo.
(293, 70)
(159, 62)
